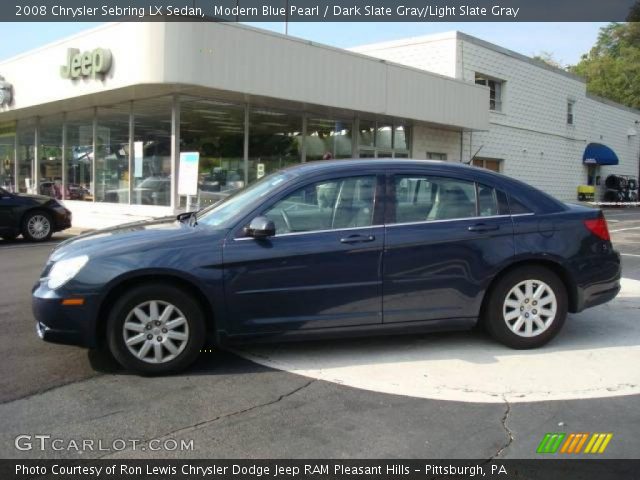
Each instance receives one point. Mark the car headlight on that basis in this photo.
(65, 270)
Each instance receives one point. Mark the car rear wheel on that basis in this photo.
(155, 329)
(37, 226)
(527, 307)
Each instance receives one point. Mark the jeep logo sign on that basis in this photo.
(87, 64)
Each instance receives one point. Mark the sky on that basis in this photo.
(566, 41)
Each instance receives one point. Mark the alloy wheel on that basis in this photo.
(155, 331)
(38, 226)
(530, 308)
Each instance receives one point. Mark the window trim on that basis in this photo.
(571, 114)
(497, 101)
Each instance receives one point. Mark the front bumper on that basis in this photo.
(67, 324)
(62, 219)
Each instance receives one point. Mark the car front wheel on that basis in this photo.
(527, 307)
(155, 329)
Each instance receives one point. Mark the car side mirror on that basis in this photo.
(260, 227)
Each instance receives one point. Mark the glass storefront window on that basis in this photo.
(401, 138)
(275, 141)
(7, 158)
(383, 140)
(79, 155)
(327, 139)
(26, 156)
(112, 154)
(215, 130)
(50, 155)
(152, 152)
(383, 136)
(367, 133)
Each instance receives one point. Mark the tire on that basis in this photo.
(37, 226)
(504, 303)
(178, 346)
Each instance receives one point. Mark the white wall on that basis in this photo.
(434, 53)
(530, 134)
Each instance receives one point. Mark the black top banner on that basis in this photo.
(321, 10)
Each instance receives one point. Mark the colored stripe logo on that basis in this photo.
(573, 443)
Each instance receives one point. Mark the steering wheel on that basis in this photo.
(287, 220)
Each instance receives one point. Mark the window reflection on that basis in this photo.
(7, 160)
(275, 141)
(79, 155)
(367, 133)
(216, 131)
(112, 154)
(152, 152)
(384, 135)
(26, 156)
(327, 139)
(50, 153)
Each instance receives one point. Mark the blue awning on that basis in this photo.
(598, 154)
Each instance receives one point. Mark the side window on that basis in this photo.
(422, 198)
(327, 205)
(487, 201)
(517, 207)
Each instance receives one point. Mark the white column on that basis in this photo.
(35, 174)
(131, 152)
(246, 145)
(64, 156)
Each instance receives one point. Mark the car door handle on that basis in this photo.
(357, 239)
(483, 227)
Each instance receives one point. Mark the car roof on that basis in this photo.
(349, 163)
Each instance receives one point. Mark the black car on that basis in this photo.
(332, 249)
(36, 217)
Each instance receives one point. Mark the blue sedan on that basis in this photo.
(332, 249)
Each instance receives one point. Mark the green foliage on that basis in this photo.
(548, 58)
(612, 67)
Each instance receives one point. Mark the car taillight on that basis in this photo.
(598, 226)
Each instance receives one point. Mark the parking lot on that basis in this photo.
(445, 395)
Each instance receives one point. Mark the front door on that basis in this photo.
(444, 242)
(322, 269)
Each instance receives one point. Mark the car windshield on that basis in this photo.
(221, 212)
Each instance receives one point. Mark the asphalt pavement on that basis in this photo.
(228, 406)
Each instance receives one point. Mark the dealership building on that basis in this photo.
(101, 120)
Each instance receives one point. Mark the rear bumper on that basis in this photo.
(602, 285)
(58, 323)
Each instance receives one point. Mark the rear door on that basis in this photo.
(445, 239)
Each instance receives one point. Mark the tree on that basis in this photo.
(612, 66)
(548, 58)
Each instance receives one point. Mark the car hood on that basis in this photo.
(132, 237)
